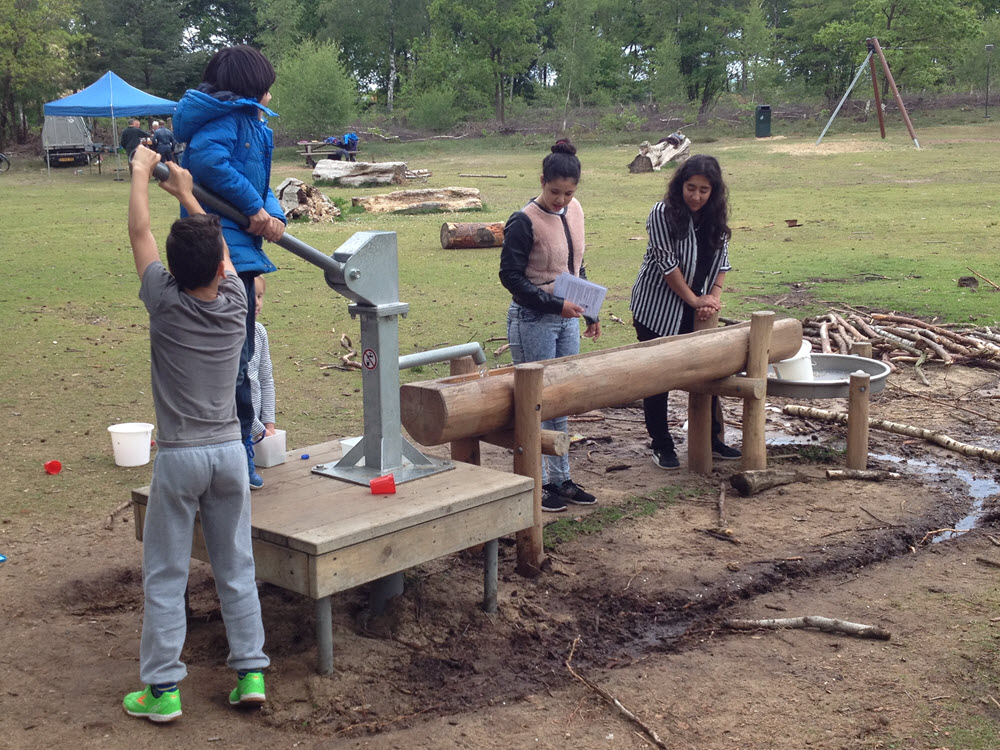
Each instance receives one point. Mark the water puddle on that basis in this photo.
(979, 488)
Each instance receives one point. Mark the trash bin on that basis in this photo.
(763, 121)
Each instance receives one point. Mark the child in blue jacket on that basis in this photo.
(229, 146)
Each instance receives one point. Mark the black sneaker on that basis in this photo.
(551, 502)
(725, 453)
(666, 459)
(571, 492)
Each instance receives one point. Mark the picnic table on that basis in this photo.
(317, 536)
(320, 149)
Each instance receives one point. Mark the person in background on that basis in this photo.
(163, 140)
(130, 139)
(541, 241)
(261, 373)
(229, 147)
(680, 280)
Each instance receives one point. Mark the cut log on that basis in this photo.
(652, 156)
(439, 411)
(299, 200)
(938, 438)
(755, 481)
(640, 164)
(826, 624)
(867, 475)
(429, 200)
(474, 234)
(359, 173)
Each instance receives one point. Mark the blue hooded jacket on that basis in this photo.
(229, 153)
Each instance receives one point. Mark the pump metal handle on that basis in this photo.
(308, 253)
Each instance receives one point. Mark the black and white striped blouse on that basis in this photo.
(654, 303)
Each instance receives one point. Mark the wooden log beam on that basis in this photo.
(554, 442)
(735, 386)
(439, 411)
(465, 235)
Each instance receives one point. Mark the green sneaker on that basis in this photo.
(163, 709)
(249, 690)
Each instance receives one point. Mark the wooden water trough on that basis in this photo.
(463, 408)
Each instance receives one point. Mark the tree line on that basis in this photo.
(437, 62)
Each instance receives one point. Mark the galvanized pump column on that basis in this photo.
(370, 277)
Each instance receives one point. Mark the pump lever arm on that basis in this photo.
(292, 244)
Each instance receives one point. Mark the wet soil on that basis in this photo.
(646, 594)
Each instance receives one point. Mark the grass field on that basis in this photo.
(884, 225)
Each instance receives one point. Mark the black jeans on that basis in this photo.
(244, 401)
(654, 408)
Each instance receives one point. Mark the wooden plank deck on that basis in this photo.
(317, 536)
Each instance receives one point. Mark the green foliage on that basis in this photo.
(35, 38)
(313, 93)
(140, 41)
(501, 33)
(434, 109)
(377, 37)
(924, 31)
(621, 122)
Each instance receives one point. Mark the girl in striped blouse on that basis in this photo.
(680, 281)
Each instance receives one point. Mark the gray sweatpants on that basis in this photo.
(211, 480)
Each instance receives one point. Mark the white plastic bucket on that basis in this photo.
(798, 367)
(270, 451)
(130, 442)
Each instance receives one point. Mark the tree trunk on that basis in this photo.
(454, 236)
(392, 68)
(755, 481)
(421, 201)
(360, 173)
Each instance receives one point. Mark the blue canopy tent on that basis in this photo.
(110, 96)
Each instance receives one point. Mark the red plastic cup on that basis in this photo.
(383, 485)
(52, 467)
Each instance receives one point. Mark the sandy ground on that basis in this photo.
(646, 597)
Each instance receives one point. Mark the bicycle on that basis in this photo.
(4, 163)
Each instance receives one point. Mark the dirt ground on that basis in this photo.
(645, 595)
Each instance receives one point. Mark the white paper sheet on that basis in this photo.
(587, 294)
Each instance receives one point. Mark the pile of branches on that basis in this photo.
(901, 340)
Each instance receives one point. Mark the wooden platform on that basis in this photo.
(317, 536)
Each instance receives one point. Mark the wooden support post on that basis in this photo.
(895, 91)
(528, 459)
(758, 349)
(861, 349)
(878, 95)
(700, 418)
(857, 421)
(699, 433)
(465, 450)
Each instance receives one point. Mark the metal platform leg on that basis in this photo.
(382, 591)
(324, 635)
(490, 576)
